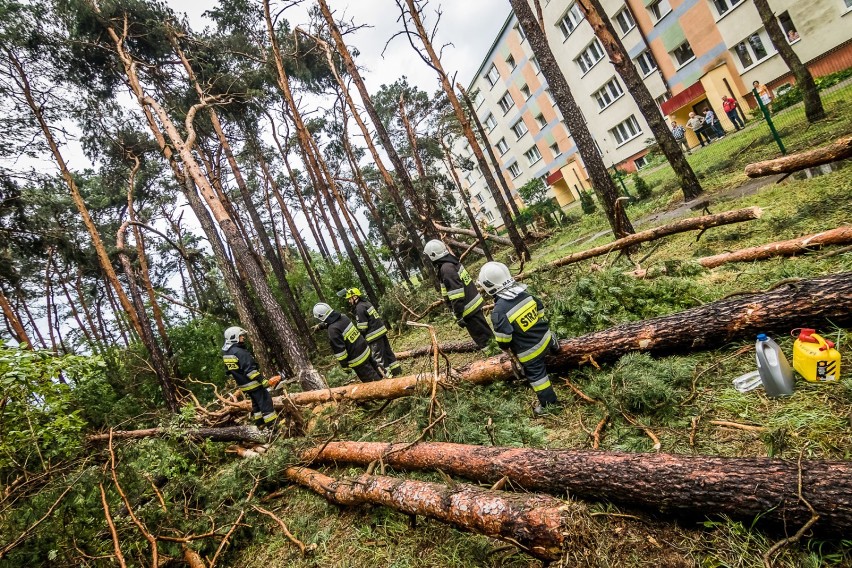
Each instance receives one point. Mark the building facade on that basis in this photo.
(690, 53)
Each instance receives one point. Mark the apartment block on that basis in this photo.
(690, 53)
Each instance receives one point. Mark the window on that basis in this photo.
(627, 130)
(640, 162)
(525, 91)
(521, 33)
(724, 6)
(625, 20)
(789, 27)
(550, 97)
(506, 102)
(478, 99)
(515, 170)
(532, 155)
(607, 94)
(554, 148)
(543, 179)
(591, 55)
(541, 121)
(510, 61)
(646, 62)
(489, 215)
(683, 54)
(493, 75)
(502, 146)
(661, 99)
(848, 4)
(490, 121)
(478, 198)
(570, 20)
(658, 9)
(520, 128)
(752, 50)
(537, 67)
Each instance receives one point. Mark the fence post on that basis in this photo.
(765, 110)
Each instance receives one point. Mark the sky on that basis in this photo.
(470, 25)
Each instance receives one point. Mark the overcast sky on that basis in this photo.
(470, 25)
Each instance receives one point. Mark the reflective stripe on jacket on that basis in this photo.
(457, 287)
(241, 365)
(369, 322)
(348, 345)
(520, 326)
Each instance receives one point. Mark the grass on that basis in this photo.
(664, 394)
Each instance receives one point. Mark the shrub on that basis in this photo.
(587, 203)
(643, 190)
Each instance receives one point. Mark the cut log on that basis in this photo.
(691, 224)
(838, 150)
(812, 303)
(225, 434)
(693, 486)
(472, 233)
(447, 347)
(537, 523)
(838, 236)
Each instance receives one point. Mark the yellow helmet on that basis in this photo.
(353, 293)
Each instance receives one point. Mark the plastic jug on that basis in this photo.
(815, 358)
(775, 371)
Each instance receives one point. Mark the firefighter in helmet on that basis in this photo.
(370, 324)
(240, 364)
(459, 290)
(348, 345)
(520, 328)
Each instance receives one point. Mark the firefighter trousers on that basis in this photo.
(478, 328)
(535, 371)
(384, 356)
(262, 411)
(368, 371)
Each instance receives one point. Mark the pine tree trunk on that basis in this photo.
(81, 297)
(22, 302)
(791, 247)
(836, 151)
(74, 313)
(20, 333)
(804, 80)
(384, 138)
(603, 185)
(483, 136)
(692, 486)
(624, 66)
(435, 62)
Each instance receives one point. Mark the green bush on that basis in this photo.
(587, 202)
(643, 190)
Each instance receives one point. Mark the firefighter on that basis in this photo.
(371, 325)
(520, 328)
(243, 368)
(348, 345)
(460, 292)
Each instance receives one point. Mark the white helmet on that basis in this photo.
(495, 277)
(322, 311)
(232, 336)
(435, 249)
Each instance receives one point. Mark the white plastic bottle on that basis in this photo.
(775, 371)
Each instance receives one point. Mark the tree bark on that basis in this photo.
(838, 150)
(384, 138)
(446, 347)
(473, 233)
(20, 333)
(691, 224)
(603, 185)
(537, 523)
(620, 59)
(692, 486)
(804, 79)
(792, 247)
(826, 300)
(225, 434)
(434, 61)
(453, 243)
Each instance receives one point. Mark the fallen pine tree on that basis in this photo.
(691, 224)
(816, 302)
(791, 247)
(538, 524)
(695, 486)
(471, 233)
(223, 434)
(833, 152)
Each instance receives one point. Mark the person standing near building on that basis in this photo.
(712, 123)
(679, 134)
(762, 92)
(520, 328)
(696, 124)
(729, 105)
(460, 292)
(348, 345)
(240, 364)
(369, 323)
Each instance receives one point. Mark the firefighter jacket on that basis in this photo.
(348, 345)
(520, 326)
(242, 366)
(368, 321)
(457, 287)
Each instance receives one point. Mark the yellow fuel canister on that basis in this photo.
(815, 358)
